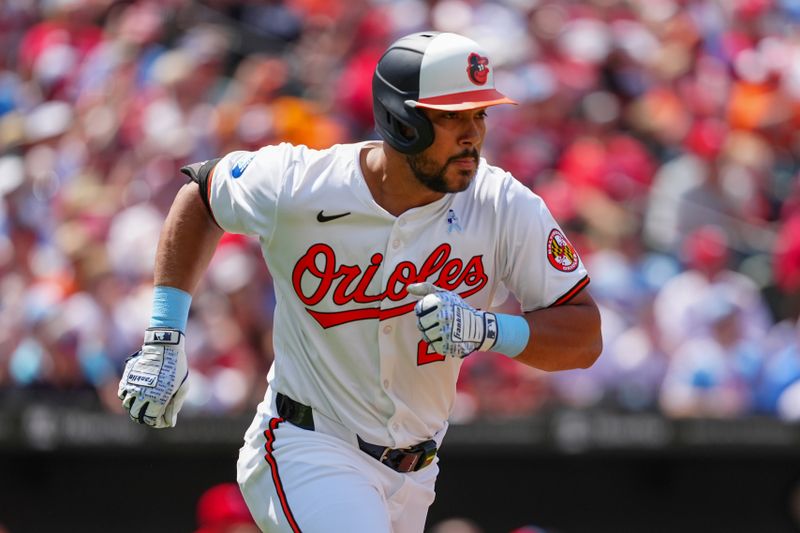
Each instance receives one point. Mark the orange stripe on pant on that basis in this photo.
(276, 478)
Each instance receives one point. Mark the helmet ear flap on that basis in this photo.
(396, 80)
(409, 133)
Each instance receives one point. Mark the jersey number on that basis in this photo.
(426, 354)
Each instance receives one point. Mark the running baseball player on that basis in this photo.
(386, 257)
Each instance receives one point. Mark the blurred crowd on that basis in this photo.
(663, 134)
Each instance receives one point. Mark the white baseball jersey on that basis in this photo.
(345, 335)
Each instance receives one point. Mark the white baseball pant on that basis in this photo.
(295, 479)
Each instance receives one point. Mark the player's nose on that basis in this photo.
(470, 134)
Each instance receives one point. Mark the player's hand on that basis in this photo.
(449, 324)
(153, 385)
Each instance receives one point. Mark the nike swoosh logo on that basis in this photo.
(322, 217)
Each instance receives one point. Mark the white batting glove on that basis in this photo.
(153, 385)
(449, 324)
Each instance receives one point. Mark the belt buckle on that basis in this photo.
(426, 453)
(385, 455)
(410, 459)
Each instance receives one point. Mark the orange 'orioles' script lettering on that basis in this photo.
(347, 284)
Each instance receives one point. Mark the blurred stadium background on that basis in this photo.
(662, 133)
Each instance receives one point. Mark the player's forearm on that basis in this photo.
(564, 337)
(187, 243)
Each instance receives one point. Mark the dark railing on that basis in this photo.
(76, 468)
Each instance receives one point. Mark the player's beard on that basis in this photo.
(433, 176)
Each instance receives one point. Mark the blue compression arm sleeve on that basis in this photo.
(513, 333)
(170, 308)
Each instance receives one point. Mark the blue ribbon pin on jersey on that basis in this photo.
(452, 222)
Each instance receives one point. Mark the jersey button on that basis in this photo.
(387, 329)
(401, 222)
(396, 426)
(396, 243)
(385, 383)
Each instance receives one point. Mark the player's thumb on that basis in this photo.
(420, 290)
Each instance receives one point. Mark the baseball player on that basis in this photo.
(386, 257)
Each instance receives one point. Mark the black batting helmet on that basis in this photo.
(431, 70)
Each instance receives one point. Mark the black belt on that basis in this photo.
(404, 460)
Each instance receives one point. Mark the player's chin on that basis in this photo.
(460, 179)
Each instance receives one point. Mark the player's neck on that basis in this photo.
(392, 183)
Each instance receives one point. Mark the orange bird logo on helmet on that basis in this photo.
(477, 68)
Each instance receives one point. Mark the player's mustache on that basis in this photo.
(465, 154)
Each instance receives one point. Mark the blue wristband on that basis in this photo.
(513, 333)
(170, 308)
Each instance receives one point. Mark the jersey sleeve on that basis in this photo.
(244, 188)
(539, 264)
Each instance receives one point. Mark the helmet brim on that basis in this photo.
(462, 101)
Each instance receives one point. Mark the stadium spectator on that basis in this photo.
(221, 509)
(663, 136)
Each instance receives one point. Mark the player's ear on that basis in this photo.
(406, 132)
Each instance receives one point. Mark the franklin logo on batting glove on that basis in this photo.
(449, 324)
(153, 385)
